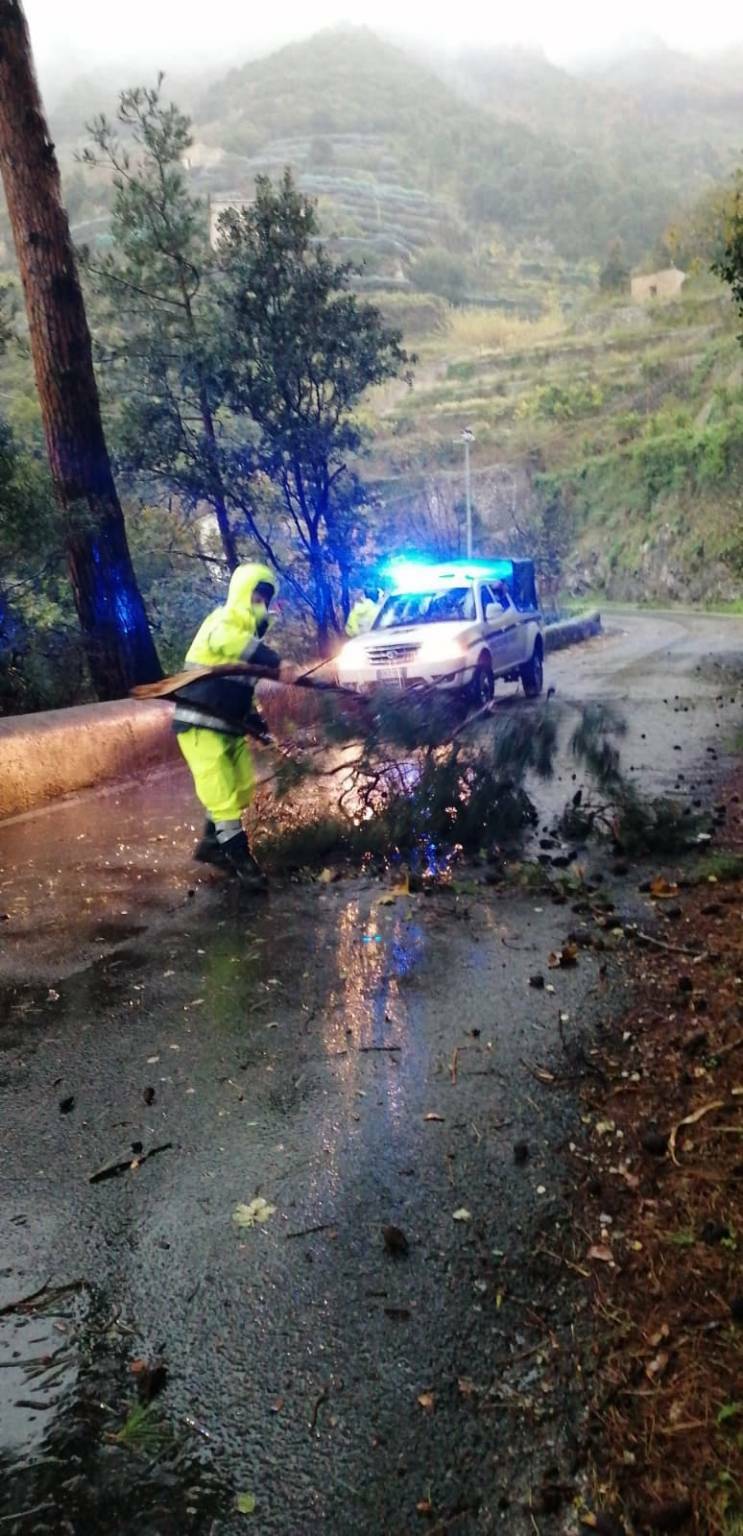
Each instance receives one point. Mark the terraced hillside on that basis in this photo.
(622, 425)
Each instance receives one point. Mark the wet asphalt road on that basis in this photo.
(297, 1049)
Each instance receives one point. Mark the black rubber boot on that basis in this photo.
(208, 850)
(239, 858)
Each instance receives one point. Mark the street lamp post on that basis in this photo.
(468, 437)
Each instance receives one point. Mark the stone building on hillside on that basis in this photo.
(657, 285)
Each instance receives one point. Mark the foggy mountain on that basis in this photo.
(498, 138)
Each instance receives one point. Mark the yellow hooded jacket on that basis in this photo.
(362, 616)
(233, 632)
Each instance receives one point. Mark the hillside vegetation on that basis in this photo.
(624, 424)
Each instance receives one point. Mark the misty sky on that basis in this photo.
(173, 33)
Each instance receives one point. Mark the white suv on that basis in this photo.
(456, 626)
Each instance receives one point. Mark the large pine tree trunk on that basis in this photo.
(117, 638)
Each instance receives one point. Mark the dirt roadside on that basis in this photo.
(658, 1215)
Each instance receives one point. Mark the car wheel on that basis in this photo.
(532, 675)
(483, 685)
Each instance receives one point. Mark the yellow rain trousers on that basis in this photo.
(221, 764)
(222, 770)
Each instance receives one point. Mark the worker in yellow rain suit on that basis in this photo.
(363, 612)
(213, 714)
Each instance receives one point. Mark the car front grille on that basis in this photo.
(392, 655)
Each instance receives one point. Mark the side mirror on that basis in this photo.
(493, 611)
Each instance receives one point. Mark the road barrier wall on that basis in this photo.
(60, 751)
(571, 631)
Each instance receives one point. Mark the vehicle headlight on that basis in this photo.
(441, 648)
(347, 656)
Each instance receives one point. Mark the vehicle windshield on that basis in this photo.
(438, 607)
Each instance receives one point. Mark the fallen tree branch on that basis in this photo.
(672, 949)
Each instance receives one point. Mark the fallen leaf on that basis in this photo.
(427, 1401)
(245, 1503)
(462, 1214)
(431, 1116)
(657, 1366)
(424, 1507)
(660, 1336)
(663, 889)
(563, 958)
(601, 1251)
(604, 1127)
(390, 897)
(278, 1405)
(325, 877)
(466, 1387)
(253, 1215)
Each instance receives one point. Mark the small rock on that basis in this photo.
(736, 1309)
(395, 1241)
(713, 1232)
(685, 984)
(67, 1105)
(668, 1517)
(655, 1142)
(537, 982)
(148, 1094)
(520, 1152)
(696, 1042)
(606, 1525)
(151, 1380)
(551, 1498)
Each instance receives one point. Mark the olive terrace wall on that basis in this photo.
(60, 751)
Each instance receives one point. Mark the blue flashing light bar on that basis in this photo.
(424, 575)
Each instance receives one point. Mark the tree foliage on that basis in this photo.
(159, 319)
(237, 371)
(299, 350)
(729, 265)
(614, 274)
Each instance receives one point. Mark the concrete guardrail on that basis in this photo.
(61, 751)
(572, 631)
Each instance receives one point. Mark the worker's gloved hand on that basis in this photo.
(289, 671)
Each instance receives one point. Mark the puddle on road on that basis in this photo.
(66, 1391)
